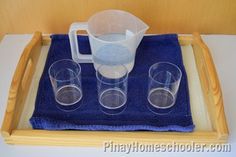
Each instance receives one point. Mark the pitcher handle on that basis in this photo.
(76, 55)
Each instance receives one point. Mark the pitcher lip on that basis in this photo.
(116, 10)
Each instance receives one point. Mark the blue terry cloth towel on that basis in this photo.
(136, 116)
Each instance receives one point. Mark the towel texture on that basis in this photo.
(136, 116)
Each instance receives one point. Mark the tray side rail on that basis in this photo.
(20, 84)
(211, 86)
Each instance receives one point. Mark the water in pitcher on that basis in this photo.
(114, 54)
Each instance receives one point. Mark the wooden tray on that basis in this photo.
(205, 96)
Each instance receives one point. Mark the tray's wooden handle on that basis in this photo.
(211, 85)
(20, 84)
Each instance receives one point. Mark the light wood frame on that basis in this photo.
(23, 77)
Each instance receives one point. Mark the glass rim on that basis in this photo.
(62, 60)
(104, 82)
(168, 63)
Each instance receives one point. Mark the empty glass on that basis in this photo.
(65, 76)
(163, 85)
(112, 84)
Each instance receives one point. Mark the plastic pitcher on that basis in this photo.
(114, 36)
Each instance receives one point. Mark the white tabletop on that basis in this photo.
(222, 47)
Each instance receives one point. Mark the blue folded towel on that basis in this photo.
(137, 116)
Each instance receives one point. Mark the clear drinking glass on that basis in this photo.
(65, 76)
(112, 84)
(163, 85)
